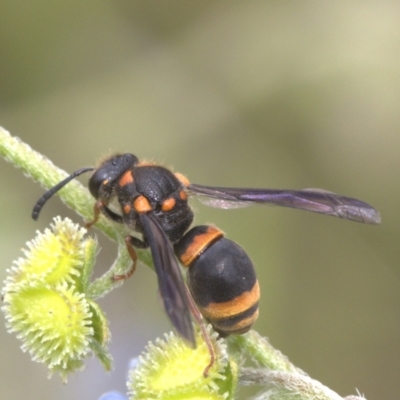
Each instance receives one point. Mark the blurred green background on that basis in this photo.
(246, 93)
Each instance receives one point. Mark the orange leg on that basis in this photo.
(96, 214)
(133, 255)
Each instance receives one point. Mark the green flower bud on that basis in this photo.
(171, 370)
(54, 325)
(53, 257)
(45, 300)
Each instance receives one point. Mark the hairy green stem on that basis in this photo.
(279, 385)
(262, 353)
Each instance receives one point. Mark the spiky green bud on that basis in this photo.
(171, 370)
(45, 300)
(53, 257)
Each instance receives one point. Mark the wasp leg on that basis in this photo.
(199, 319)
(131, 242)
(133, 255)
(98, 208)
(140, 244)
(96, 214)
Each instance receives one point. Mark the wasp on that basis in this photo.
(153, 201)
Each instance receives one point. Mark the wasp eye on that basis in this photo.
(96, 181)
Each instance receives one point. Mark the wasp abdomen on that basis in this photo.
(221, 279)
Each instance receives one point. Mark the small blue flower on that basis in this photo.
(113, 396)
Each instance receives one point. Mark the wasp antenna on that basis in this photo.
(42, 201)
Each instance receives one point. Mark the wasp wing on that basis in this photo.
(170, 280)
(315, 200)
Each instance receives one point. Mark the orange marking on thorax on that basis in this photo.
(127, 208)
(182, 178)
(126, 178)
(141, 204)
(183, 195)
(168, 204)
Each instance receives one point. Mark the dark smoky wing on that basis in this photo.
(170, 280)
(314, 200)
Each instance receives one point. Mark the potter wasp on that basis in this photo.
(153, 201)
